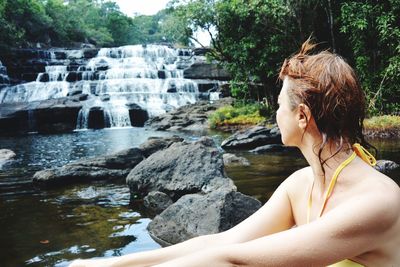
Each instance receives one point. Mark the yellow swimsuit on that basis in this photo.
(367, 157)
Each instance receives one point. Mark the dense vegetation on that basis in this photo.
(64, 23)
(250, 38)
(240, 114)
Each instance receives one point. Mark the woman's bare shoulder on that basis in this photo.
(301, 178)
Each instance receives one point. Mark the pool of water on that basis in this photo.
(51, 227)
(54, 226)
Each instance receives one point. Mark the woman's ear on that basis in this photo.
(303, 116)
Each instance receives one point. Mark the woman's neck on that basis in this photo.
(331, 152)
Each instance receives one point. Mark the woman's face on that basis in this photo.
(287, 118)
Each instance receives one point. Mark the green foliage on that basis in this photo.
(384, 122)
(60, 23)
(240, 113)
(251, 38)
(373, 31)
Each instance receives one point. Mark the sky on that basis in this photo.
(151, 7)
(143, 7)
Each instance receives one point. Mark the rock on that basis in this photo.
(201, 51)
(195, 214)
(207, 86)
(201, 70)
(193, 117)
(96, 118)
(272, 148)
(154, 144)
(253, 137)
(137, 115)
(90, 52)
(180, 169)
(156, 202)
(76, 174)
(161, 74)
(386, 166)
(79, 97)
(75, 92)
(5, 156)
(231, 159)
(47, 116)
(105, 97)
(111, 167)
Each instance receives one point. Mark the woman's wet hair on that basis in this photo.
(329, 87)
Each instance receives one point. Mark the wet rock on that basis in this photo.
(96, 119)
(253, 137)
(207, 86)
(201, 51)
(111, 167)
(156, 202)
(231, 159)
(386, 166)
(193, 117)
(202, 70)
(272, 148)
(181, 169)
(56, 115)
(48, 116)
(105, 97)
(75, 92)
(137, 115)
(195, 214)
(154, 144)
(5, 156)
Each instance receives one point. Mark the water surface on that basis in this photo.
(54, 226)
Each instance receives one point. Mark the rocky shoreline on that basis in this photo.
(183, 184)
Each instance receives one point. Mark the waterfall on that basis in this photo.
(4, 79)
(150, 77)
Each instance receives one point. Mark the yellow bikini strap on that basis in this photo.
(364, 154)
(359, 151)
(330, 188)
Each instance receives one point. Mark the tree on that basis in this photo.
(373, 31)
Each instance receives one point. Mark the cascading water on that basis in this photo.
(146, 77)
(4, 79)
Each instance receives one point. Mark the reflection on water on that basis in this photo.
(267, 171)
(52, 227)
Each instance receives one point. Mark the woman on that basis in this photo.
(339, 211)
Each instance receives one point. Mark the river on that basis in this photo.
(51, 227)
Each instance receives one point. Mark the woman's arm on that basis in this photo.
(359, 226)
(274, 216)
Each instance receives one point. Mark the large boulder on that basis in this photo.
(180, 169)
(203, 70)
(196, 214)
(48, 116)
(111, 167)
(56, 115)
(154, 144)
(137, 115)
(193, 117)
(253, 137)
(156, 202)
